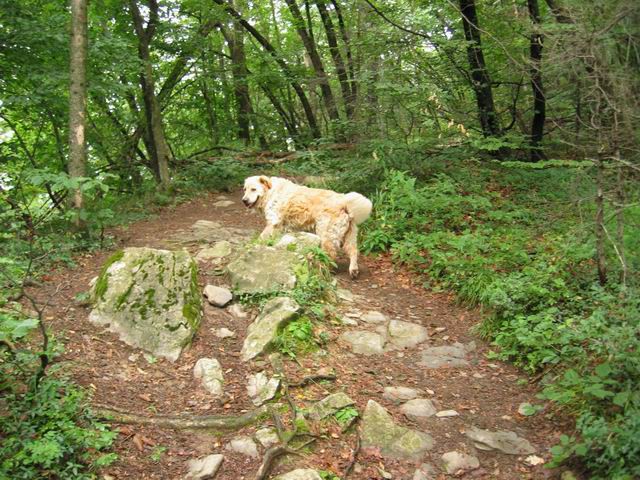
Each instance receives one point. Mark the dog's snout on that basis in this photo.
(246, 201)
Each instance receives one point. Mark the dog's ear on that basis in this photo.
(264, 180)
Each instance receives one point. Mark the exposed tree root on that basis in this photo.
(312, 379)
(182, 422)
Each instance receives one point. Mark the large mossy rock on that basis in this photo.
(380, 432)
(264, 329)
(150, 298)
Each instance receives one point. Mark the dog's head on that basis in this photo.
(255, 190)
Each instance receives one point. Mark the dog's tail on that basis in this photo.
(358, 206)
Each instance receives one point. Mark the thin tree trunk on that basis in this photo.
(78, 101)
(539, 100)
(601, 258)
(156, 140)
(347, 46)
(334, 50)
(311, 119)
(235, 39)
(481, 80)
(316, 61)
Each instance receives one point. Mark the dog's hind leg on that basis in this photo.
(350, 246)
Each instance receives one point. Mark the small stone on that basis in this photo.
(223, 203)
(345, 295)
(374, 317)
(300, 474)
(364, 342)
(329, 405)
(384, 474)
(439, 329)
(505, 441)
(425, 472)
(418, 409)
(261, 389)
(237, 311)
(456, 462)
(350, 322)
(445, 356)
(399, 394)
(204, 468)
(406, 334)
(224, 333)
(244, 445)
(534, 460)
(217, 296)
(267, 437)
(209, 371)
(478, 375)
(447, 413)
(134, 357)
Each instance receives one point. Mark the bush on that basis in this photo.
(535, 281)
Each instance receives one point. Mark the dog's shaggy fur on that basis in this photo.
(332, 216)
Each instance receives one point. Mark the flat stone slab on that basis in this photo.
(328, 406)
(275, 313)
(300, 474)
(374, 317)
(216, 253)
(380, 432)
(206, 231)
(502, 440)
(445, 356)
(204, 468)
(405, 334)
(150, 298)
(364, 342)
(263, 269)
(223, 203)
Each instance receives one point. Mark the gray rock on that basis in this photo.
(216, 253)
(425, 472)
(261, 388)
(447, 413)
(223, 203)
(217, 296)
(300, 474)
(301, 240)
(237, 311)
(244, 445)
(456, 462)
(204, 468)
(350, 322)
(345, 295)
(374, 317)
(503, 440)
(329, 405)
(263, 269)
(267, 436)
(275, 313)
(224, 333)
(445, 356)
(150, 298)
(399, 394)
(380, 432)
(418, 409)
(405, 334)
(209, 372)
(364, 342)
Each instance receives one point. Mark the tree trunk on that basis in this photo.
(311, 119)
(78, 101)
(539, 100)
(480, 77)
(241, 87)
(347, 46)
(316, 61)
(156, 141)
(341, 71)
(601, 258)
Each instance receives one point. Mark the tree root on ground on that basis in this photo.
(182, 422)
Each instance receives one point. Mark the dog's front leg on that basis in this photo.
(268, 231)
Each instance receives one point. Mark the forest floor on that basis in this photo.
(485, 393)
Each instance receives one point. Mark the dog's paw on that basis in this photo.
(354, 272)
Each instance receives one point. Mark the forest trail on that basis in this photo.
(482, 393)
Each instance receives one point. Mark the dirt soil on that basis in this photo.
(486, 393)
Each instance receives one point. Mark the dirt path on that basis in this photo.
(484, 393)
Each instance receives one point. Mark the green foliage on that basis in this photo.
(296, 338)
(220, 175)
(346, 415)
(535, 282)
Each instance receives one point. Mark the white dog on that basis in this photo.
(332, 216)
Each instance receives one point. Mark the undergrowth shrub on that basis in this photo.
(506, 247)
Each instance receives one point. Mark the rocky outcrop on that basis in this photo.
(379, 431)
(150, 298)
(264, 329)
